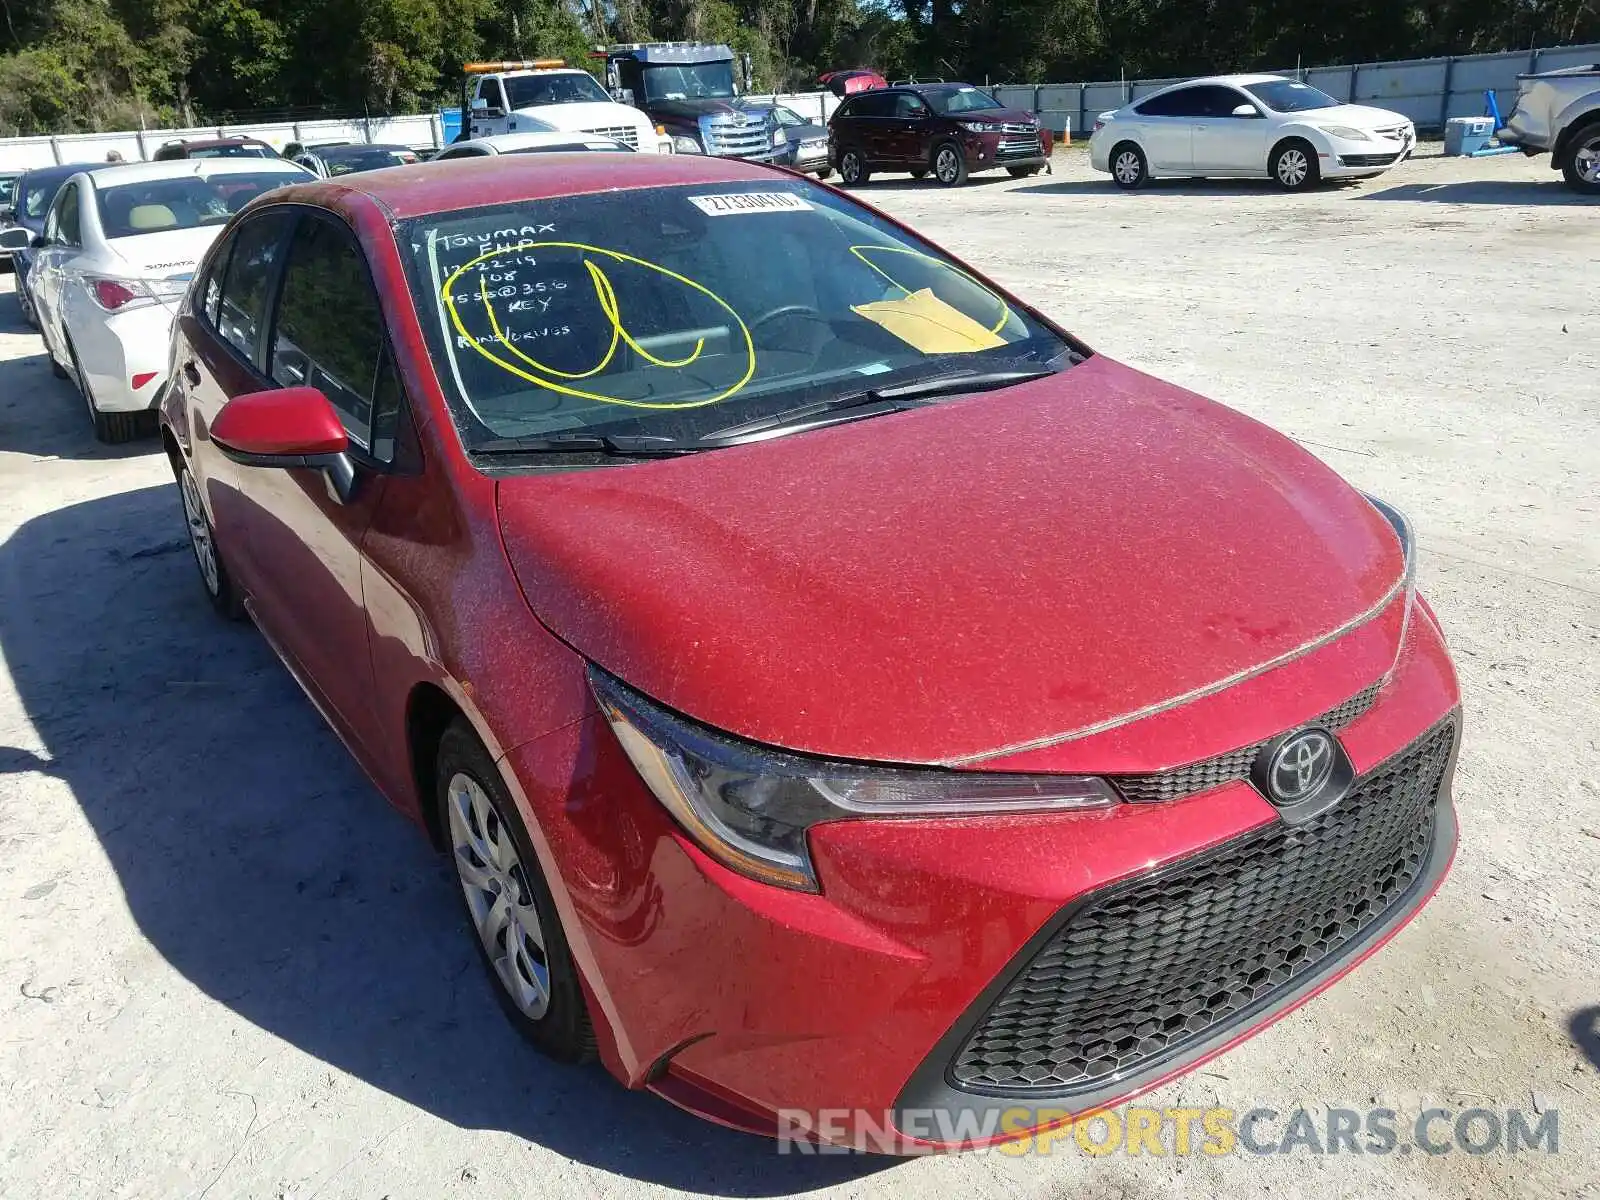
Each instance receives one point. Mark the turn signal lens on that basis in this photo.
(142, 378)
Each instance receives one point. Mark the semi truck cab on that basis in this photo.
(540, 95)
(691, 90)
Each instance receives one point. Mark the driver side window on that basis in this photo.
(907, 106)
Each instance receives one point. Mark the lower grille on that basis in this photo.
(626, 134)
(1142, 970)
(1367, 160)
(1019, 147)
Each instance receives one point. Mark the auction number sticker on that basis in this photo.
(732, 203)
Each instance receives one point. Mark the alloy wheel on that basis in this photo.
(1127, 167)
(850, 168)
(495, 884)
(1586, 161)
(1293, 167)
(205, 549)
(947, 165)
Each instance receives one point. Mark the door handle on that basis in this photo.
(191, 373)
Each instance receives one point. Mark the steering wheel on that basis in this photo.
(787, 310)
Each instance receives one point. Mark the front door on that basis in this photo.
(304, 539)
(1226, 143)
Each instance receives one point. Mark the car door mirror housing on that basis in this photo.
(1246, 110)
(286, 429)
(39, 242)
(15, 239)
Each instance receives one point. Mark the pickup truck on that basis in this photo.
(1559, 112)
(541, 95)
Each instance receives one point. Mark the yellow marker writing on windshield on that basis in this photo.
(605, 294)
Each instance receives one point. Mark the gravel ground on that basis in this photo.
(228, 969)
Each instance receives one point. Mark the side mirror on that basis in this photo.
(479, 106)
(623, 95)
(39, 242)
(15, 239)
(1246, 110)
(286, 428)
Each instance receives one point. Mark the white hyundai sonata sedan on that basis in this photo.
(119, 247)
(1250, 127)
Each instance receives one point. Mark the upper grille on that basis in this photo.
(1225, 768)
(1142, 970)
(734, 134)
(626, 134)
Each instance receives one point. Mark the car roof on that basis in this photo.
(205, 143)
(111, 174)
(437, 187)
(1229, 80)
(544, 71)
(355, 148)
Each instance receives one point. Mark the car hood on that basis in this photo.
(805, 133)
(1005, 116)
(692, 110)
(938, 584)
(584, 116)
(1359, 115)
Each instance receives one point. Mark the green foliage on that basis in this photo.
(72, 65)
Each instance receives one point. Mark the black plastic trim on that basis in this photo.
(930, 1086)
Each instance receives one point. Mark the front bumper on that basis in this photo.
(749, 1004)
(1346, 159)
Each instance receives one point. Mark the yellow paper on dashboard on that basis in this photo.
(926, 323)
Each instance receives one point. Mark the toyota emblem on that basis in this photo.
(1303, 773)
(1301, 766)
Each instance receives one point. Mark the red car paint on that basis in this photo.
(1158, 582)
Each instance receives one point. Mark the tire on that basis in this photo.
(853, 169)
(25, 303)
(214, 577)
(1129, 168)
(825, 172)
(1580, 159)
(920, 173)
(56, 368)
(493, 856)
(949, 165)
(1294, 166)
(1021, 172)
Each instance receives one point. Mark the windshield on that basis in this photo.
(693, 81)
(679, 311)
(960, 100)
(158, 205)
(1285, 95)
(531, 91)
(348, 162)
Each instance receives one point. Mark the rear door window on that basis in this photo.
(68, 216)
(1184, 102)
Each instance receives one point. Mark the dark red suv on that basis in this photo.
(950, 129)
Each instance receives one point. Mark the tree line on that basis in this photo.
(78, 65)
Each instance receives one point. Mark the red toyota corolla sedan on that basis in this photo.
(839, 690)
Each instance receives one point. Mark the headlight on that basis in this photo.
(779, 138)
(1348, 134)
(749, 806)
(984, 127)
(685, 145)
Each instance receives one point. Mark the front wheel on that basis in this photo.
(508, 901)
(1021, 172)
(920, 173)
(852, 169)
(1294, 167)
(1581, 160)
(825, 172)
(950, 165)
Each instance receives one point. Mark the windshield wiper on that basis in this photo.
(893, 398)
(625, 445)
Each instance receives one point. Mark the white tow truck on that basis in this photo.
(540, 95)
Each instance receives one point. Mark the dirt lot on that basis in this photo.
(228, 969)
